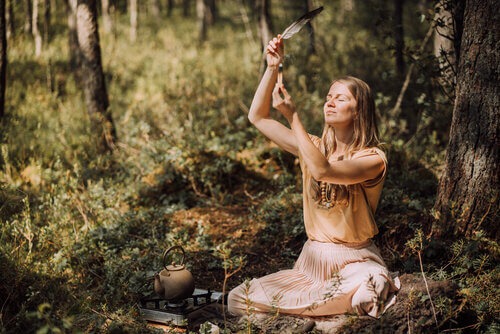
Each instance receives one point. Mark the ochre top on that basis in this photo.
(349, 222)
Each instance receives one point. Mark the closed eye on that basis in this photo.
(340, 98)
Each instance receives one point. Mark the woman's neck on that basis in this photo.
(343, 140)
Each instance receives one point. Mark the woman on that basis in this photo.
(339, 270)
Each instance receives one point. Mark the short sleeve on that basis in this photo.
(368, 152)
(315, 139)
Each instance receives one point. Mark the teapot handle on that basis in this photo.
(171, 249)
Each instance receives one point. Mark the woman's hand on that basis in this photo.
(275, 52)
(283, 104)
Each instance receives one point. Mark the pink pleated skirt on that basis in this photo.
(327, 279)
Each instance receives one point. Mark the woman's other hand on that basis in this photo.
(275, 52)
(283, 104)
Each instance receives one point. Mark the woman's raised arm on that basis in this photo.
(259, 114)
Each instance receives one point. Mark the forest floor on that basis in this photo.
(412, 312)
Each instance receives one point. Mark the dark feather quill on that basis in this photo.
(295, 27)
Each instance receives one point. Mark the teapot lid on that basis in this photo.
(175, 267)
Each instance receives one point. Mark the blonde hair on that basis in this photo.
(365, 128)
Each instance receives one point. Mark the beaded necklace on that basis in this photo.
(328, 198)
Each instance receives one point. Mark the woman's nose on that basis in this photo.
(330, 102)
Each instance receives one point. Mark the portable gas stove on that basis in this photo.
(202, 304)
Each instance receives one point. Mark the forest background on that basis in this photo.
(117, 147)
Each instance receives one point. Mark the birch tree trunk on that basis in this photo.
(445, 35)
(35, 30)
(96, 96)
(467, 198)
(107, 24)
(3, 57)
(201, 17)
(133, 20)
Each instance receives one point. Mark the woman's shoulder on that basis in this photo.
(315, 139)
(368, 151)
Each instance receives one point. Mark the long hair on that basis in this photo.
(365, 131)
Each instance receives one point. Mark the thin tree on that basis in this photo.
(107, 24)
(35, 29)
(445, 35)
(170, 7)
(467, 199)
(74, 49)
(3, 56)
(154, 8)
(46, 22)
(308, 6)
(186, 5)
(132, 8)
(211, 12)
(202, 19)
(27, 17)
(399, 43)
(10, 18)
(264, 22)
(96, 97)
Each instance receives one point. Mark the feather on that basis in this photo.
(295, 27)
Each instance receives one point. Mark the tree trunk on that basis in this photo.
(74, 49)
(154, 8)
(264, 21)
(3, 57)
(170, 7)
(27, 17)
(312, 44)
(399, 43)
(35, 31)
(445, 35)
(9, 18)
(46, 22)
(211, 11)
(107, 24)
(133, 20)
(201, 17)
(96, 97)
(467, 198)
(186, 4)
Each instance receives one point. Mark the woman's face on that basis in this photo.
(340, 106)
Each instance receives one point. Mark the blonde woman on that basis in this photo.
(340, 269)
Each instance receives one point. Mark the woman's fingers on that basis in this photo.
(284, 91)
(277, 98)
(276, 93)
(276, 43)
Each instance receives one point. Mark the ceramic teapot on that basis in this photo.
(174, 282)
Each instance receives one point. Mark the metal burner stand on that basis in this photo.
(159, 310)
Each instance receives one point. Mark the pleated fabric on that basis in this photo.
(327, 279)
